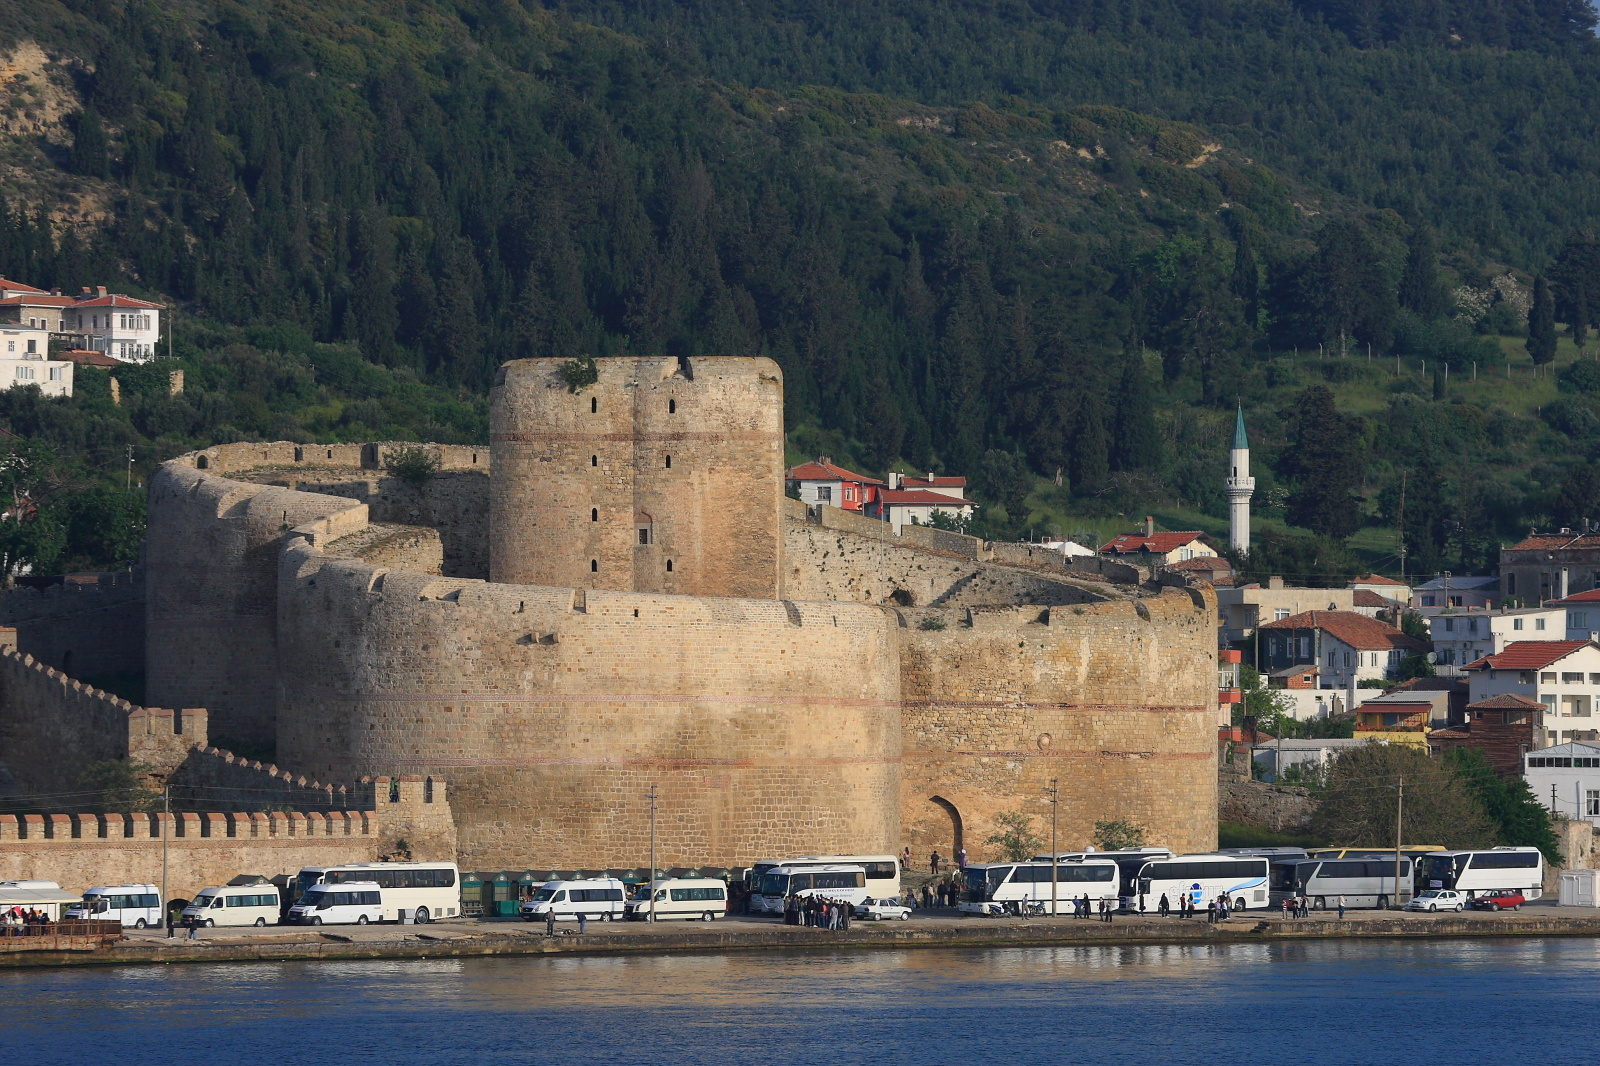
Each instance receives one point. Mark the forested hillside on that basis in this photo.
(1046, 245)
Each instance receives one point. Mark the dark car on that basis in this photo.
(1499, 901)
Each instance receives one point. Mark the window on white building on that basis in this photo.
(24, 373)
(55, 373)
(1577, 619)
(1538, 623)
(1449, 625)
(824, 493)
(1516, 623)
(1547, 678)
(1591, 803)
(1280, 613)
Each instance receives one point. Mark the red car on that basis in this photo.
(1499, 901)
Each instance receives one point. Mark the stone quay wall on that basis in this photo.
(52, 728)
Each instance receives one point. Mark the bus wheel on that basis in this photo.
(1383, 903)
(706, 917)
(211, 923)
(422, 916)
(606, 917)
(140, 924)
(261, 921)
(361, 919)
(315, 920)
(1321, 904)
(1238, 904)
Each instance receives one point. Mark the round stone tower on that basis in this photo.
(664, 475)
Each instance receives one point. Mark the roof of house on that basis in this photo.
(1464, 733)
(7, 283)
(1368, 598)
(1431, 684)
(115, 299)
(1592, 596)
(85, 357)
(1294, 671)
(1356, 630)
(946, 482)
(1550, 541)
(822, 470)
(1404, 698)
(1377, 579)
(918, 498)
(1459, 581)
(43, 299)
(1209, 563)
(1506, 702)
(1160, 543)
(1528, 655)
(1572, 747)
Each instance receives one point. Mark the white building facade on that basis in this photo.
(1460, 637)
(1563, 675)
(120, 326)
(1566, 779)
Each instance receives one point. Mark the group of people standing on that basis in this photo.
(16, 917)
(817, 912)
(1188, 906)
(1300, 907)
(1101, 910)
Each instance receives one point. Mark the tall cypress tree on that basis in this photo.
(1135, 444)
(1420, 290)
(1246, 281)
(1542, 323)
(89, 148)
(1324, 459)
(1090, 445)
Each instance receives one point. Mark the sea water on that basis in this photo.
(1341, 1002)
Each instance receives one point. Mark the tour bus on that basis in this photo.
(1203, 878)
(704, 898)
(1005, 887)
(1477, 873)
(600, 898)
(842, 881)
(1129, 862)
(424, 890)
(882, 876)
(1369, 853)
(1365, 882)
(342, 903)
(235, 905)
(138, 906)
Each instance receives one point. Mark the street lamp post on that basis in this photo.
(650, 879)
(1055, 863)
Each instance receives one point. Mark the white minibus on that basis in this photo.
(1365, 882)
(704, 898)
(1478, 873)
(235, 905)
(1007, 887)
(1203, 878)
(346, 903)
(882, 875)
(600, 898)
(138, 906)
(841, 881)
(423, 890)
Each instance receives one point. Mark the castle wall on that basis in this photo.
(765, 726)
(211, 573)
(663, 476)
(83, 628)
(1116, 701)
(53, 728)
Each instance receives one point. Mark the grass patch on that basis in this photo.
(1238, 835)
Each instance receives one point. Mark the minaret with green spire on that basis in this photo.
(1240, 488)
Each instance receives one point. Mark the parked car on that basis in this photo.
(1438, 899)
(1498, 901)
(881, 910)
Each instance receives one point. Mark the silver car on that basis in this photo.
(879, 910)
(1438, 899)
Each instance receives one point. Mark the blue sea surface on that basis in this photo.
(1347, 1002)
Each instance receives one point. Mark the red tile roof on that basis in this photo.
(1159, 543)
(1549, 541)
(821, 471)
(1368, 598)
(1210, 563)
(115, 300)
(1592, 596)
(946, 482)
(42, 300)
(1528, 655)
(85, 357)
(1506, 702)
(1378, 579)
(918, 497)
(1356, 630)
(7, 283)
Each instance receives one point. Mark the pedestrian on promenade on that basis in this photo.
(1286, 908)
(550, 922)
(1305, 906)
(927, 895)
(1164, 907)
(933, 864)
(169, 924)
(961, 859)
(583, 920)
(1341, 908)
(194, 928)
(905, 857)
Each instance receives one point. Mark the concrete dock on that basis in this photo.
(468, 937)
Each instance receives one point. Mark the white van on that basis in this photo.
(138, 906)
(704, 898)
(600, 898)
(235, 905)
(348, 903)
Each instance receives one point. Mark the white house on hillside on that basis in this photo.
(1461, 637)
(1564, 675)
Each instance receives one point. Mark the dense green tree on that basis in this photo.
(1344, 294)
(1135, 440)
(1421, 291)
(1521, 820)
(1090, 446)
(1542, 323)
(1575, 279)
(1357, 805)
(89, 146)
(1324, 462)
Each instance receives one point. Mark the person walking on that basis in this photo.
(961, 859)
(583, 921)
(933, 864)
(550, 922)
(905, 857)
(1163, 905)
(927, 896)
(1341, 908)
(194, 928)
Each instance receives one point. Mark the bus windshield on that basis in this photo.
(774, 884)
(1441, 869)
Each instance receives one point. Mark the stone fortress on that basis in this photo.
(616, 597)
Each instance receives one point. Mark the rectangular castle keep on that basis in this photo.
(664, 476)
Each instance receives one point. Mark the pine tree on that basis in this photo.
(1420, 289)
(1246, 280)
(1344, 294)
(1135, 444)
(89, 146)
(1542, 323)
(1324, 460)
(1090, 444)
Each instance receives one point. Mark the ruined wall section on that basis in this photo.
(53, 728)
(665, 475)
(395, 547)
(765, 726)
(211, 572)
(84, 627)
(1116, 701)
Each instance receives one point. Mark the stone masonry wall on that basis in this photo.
(1114, 700)
(404, 818)
(52, 728)
(764, 726)
(1280, 808)
(85, 628)
(400, 547)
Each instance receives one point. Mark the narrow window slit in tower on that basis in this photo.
(594, 460)
(594, 514)
(672, 407)
(594, 566)
(669, 462)
(594, 404)
(669, 566)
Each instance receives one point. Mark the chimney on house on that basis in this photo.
(85, 293)
(1149, 526)
(100, 291)
(1274, 582)
(894, 479)
(1563, 584)
(930, 477)
(825, 460)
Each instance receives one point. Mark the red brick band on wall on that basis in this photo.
(535, 437)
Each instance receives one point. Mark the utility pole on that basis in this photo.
(1400, 526)
(650, 880)
(166, 797)
(1399, 814)
(1552, 799)
(1055, 862)
(130, 468)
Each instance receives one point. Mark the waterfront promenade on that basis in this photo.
(505, 937)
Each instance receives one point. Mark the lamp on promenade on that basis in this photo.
(1055, 861)
(650, 880)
